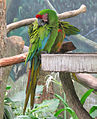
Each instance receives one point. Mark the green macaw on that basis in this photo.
(46, 34)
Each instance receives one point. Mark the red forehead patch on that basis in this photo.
(60, 30)
(39, 16)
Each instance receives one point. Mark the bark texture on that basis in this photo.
(2, 50)
(8, 47)
(70, 62)
(72, 98)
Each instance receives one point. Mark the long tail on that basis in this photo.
(33, 88)
(31, 84)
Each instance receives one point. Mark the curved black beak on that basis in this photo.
(41, 22)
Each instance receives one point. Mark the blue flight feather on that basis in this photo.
(44, 41)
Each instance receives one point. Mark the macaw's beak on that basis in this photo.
(40, 22)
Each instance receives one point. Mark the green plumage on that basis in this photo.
(37, 35)
(44, 37)
(68, 28)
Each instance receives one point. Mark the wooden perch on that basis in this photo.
(87, 80)
(73, 13)
(70, 62)
(18, 24)
(84, 79)
(13, 60)
(64, 15)
(21, 58)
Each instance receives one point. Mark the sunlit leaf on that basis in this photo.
(64, 102)
(72, 113)
(84, 97)
(58, 112)
(93, 109)
(8, 87)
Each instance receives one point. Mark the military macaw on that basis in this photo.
(46, 34)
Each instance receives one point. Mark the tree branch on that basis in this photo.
(18, 24)
(64, 15)
(66, 46)
(87, 80)
(73, 13)
(13, 60)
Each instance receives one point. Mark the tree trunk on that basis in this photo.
(7, 48)
(2, 50)
(72, 98)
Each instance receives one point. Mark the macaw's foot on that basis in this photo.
(66, 46)
(44, 52)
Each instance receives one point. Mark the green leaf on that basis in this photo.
(72, 113)
(94, 114)
(58, 112)
(84, 97)
(7, 100)
(93, 109)
(15, 19)
(46, 106)
(58, 96)
(8, 87)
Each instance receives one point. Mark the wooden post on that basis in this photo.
(72, 98)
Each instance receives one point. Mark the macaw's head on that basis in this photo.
(47, 16)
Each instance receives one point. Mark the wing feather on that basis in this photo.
(38, 39)
(68, 28)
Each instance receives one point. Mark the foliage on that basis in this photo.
(84, 97)
(93, 109)
(68, 109)
(41, 111)
(8, 87)
(45, 110)
(53, 78)
(8, 114)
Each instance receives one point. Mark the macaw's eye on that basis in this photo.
(45, 17)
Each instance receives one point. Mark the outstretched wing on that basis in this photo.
(68, 28)
(38, 39)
